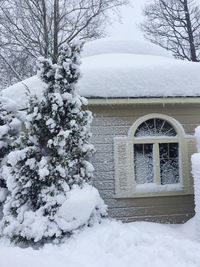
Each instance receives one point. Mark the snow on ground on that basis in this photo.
(113, 244)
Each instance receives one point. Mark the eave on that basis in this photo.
(144, 101)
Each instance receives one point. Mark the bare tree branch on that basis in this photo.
(40, 27)
(175, 26)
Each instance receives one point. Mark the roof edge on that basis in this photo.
(143, 101)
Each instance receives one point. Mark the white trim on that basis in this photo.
(177, 126)
(143, 101)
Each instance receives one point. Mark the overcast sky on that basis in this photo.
(130, 17)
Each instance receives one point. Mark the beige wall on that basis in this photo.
(115, 120)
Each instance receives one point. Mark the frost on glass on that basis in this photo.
(169, 163)
(155, 127)
(143, 162)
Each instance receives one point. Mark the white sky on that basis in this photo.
(130, 17)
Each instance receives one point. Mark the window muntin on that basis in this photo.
(155, 127)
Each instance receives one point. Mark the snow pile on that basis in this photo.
(81, 207)
(196, 175)
(77, 208)
(113, 244)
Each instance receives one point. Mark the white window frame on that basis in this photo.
(125, 184)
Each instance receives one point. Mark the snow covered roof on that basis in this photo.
(130, 75)
(139, 71)
(114, 46)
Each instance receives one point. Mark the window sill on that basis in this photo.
(140, 194)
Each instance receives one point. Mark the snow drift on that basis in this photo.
(196, 175)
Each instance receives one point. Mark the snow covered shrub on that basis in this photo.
(196, 176)
(10, 127)
(48, 178)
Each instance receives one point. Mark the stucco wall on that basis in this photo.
(115, 120)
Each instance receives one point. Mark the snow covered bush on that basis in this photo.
(10, 127)
(196, 175)
(48, 177)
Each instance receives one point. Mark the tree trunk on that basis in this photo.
(46, 39)
(190, 33)
(56, 29)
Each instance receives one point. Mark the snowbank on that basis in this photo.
(113, 244)
(196, 175)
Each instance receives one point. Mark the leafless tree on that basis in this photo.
(39, 27)
(175, 26)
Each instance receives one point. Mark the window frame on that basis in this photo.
(134, 190)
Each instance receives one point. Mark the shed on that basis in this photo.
(146, 106)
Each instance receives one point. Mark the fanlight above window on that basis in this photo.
(155, 127)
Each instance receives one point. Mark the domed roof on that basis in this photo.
(114, 46)
(121, 69)
(131, 75)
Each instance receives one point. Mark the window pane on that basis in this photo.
(173, 150)
(169, 163)
(143, 163)
(155, 127)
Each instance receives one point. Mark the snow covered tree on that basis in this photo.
(10, 127)
(48, 177)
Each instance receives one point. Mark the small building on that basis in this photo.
(146, 106)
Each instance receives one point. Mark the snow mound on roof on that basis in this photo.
(124, 75)
(129, 75)
(107, 46)
(19, 91)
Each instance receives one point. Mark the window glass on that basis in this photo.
(169, 163)
(143, 163)
(155, 127)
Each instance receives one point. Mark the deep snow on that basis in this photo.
(124, 68)
(113, 244)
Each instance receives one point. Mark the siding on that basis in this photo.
(111, 121)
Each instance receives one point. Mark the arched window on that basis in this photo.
(152, 159)
(156, 153)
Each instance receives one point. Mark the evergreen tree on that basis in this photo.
(53, 157)
(10, 126)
